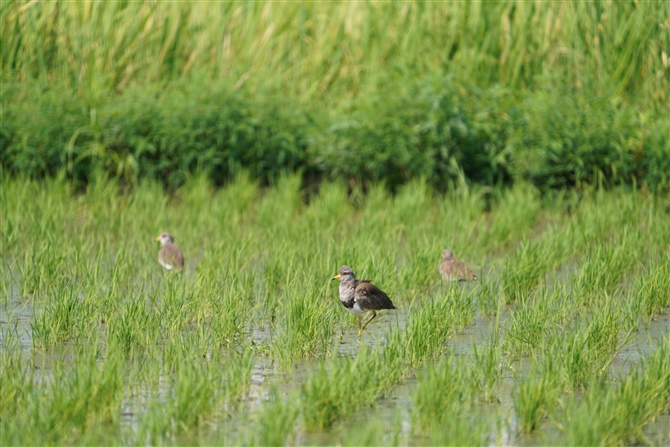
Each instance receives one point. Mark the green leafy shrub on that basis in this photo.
(152, 131)
(418, 129)
(440, 129)
(569, 139)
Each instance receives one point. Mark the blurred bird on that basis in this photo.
(169, 256)
(453, 269)
(359, 296)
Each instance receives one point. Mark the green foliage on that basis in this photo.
(249, 344)
(528, 323)
(307, 324)
(441, 393)
(586, 347)
(342, 385)
(571, 140)
(337, 49)
(277, 420)
(66, 315)
(194, 394)
(438, 128)
(604, 268)
(413, 130)
(429, 329)
(443, 396)
(524, 270)
(561, 95)
(67, 408)
(535, 396)
(616, 415)
(653, 288)
(155, 133)
(329, 394)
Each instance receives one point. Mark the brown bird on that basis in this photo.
(359, 296)
(453, 269)
(169, 256)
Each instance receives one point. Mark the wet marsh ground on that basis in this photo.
(564, 340)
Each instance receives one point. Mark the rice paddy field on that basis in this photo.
(279, 141)
(563, 340)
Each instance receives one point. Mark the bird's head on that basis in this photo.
(165, 238)
(345, 273)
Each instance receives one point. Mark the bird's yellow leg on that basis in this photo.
(360, 331)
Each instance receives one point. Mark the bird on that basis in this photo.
(360, 296)
(169, 256)
(453, 269)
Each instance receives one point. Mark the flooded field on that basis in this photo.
(564, 339)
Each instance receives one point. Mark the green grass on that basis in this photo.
(536, 396)
(334, 49)
(66, 406)
(445, 404)
(250, 344)
(615, 415)
(561, 95)
(277, 420)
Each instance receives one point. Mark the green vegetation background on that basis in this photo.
(561, 94)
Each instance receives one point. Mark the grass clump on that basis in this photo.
(341, 386)
(73, 402)
(253, 330)
(603, 271)
(306, 328)
(524, 271)
(135, 326)
(277, 420)
(538, 319)
(652, 286)
(586, 347)
(535, 397)
(443, 396)
(429, 329)
(66, 315)
(443, 390)
(326, 396)
(195, 389)
(615, 415)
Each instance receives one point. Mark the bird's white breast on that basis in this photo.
(347, 293)
(166, 265)
(357, 309)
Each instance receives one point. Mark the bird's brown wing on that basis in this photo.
(456, 270)
(171, 255)
(369, 297)
(449, 268)
(178, 258)
(466, 273)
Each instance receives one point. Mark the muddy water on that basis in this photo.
(15, 317)
(391, 416)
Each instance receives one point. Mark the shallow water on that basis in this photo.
(391, 414)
